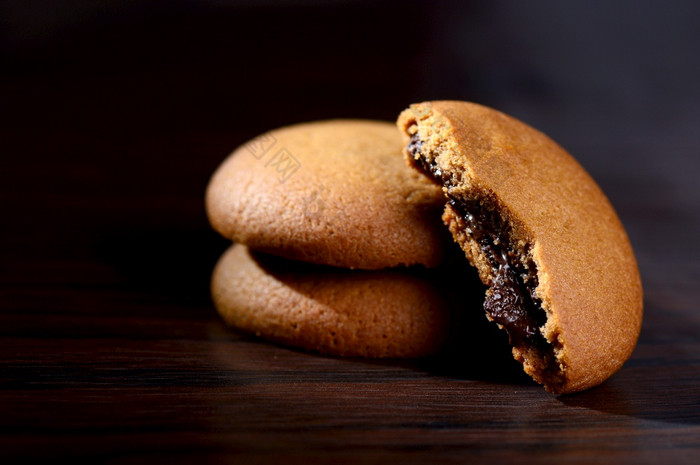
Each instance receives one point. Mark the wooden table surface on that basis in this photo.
(110, 349)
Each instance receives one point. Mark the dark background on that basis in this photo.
(115, 114)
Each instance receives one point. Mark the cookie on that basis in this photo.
(332, 192)
(336, 311)
(562, 276)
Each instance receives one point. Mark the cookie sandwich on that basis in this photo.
(561, 274)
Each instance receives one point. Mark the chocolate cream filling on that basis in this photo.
(511, 300)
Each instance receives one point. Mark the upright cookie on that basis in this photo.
(334, 192)
(368, 313)
(563, 280)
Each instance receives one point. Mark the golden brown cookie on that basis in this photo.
(563, 280)
(368, 313)
(333, 192)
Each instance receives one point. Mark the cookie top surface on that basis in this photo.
(332, 192)
(368, 313)
(573, 255)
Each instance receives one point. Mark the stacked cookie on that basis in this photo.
(332, 231)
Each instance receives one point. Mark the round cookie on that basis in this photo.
(332, 192)
(368, 313)
(563, 280)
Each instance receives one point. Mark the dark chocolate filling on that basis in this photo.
(415, 147)
(511, 300)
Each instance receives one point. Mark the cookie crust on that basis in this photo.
(555, 224)
(332, 192)
(366, 313)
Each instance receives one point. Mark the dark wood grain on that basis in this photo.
(110, 349)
